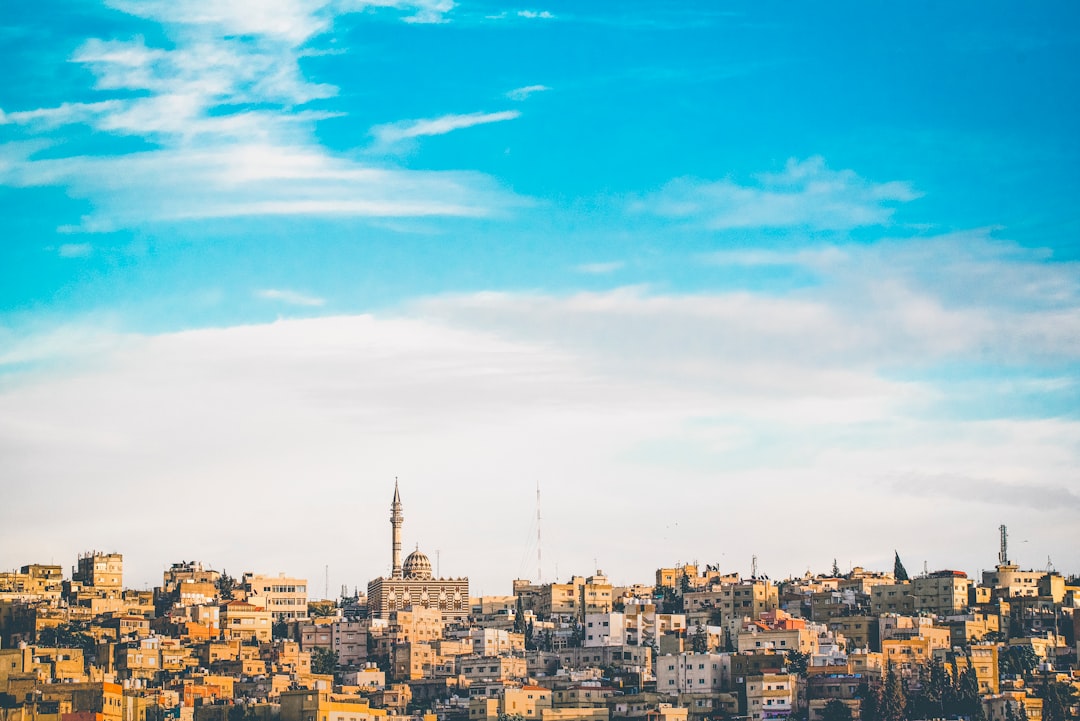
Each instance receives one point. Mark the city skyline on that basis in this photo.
(727, 281)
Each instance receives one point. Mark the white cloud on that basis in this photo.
(215, 156)
(74, 250)
(392, 133)
(524, 92)
(607, 398)
(253, 179)
(291, 297)
(535, 15)
(64, 114)
(805, 194)
(600, 268)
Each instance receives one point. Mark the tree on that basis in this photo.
(969, 698)
(68, 635)
(870, 705)
(321, 609)
(323, 661)
(530, 636)
(797, 662)
(1058, 698)
(936, 690)
(893, 697)
(519, 616)
(1017, 661)
(226, 584)
(899, 572)
(836, 710)
(836, 574)
(699, 642)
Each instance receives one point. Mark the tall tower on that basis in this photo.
(396, 519)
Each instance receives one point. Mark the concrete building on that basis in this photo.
(283, 596)
(242, 621)
(102, 571)
(693, 673)
(771, 696)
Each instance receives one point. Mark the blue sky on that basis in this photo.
(726, 279)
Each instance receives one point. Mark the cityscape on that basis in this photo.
(566, 360)
(691, 644)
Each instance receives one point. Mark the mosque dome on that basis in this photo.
(416, 565)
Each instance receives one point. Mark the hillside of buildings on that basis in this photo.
(689, 644)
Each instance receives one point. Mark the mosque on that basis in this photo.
(412, 584)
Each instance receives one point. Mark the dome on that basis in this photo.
(416, 565)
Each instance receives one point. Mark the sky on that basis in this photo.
(721, 280)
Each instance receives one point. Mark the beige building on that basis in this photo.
(942, 592)
(693, 673)
(771, 696)
(527, 701)
(1008, 580)
(103, 571)
(412, 584)
(308, 705)
(284, 597)
(730, 602)
(242, 621)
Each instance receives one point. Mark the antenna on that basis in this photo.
(326, 583)
(539, 566)
(1003, 554)
(753, 567)
(438, 563)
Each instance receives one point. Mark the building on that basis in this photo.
(104, 571)
(412, 584)
(693, 673)
(284, 597)
(770, 696)
(242, 621)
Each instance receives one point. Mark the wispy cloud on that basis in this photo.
(535, 15)
(290, 297)
(525, 92)
(600, 268)
(393, 133)
(806, 194)
(74, 250)
(224, 107)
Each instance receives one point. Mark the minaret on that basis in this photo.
(395, 524)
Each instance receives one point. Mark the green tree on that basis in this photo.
(836, 710)
(321, 609)
(797, 662)
(226, 584)
(893, 697)
(870, 701)
(899, 572)
(1010, 711)
(699, 642)
(836, 574)
(323, 661)
(519, 616)
(969, 698)
(936, 690)
(1017, 661)
(1058, 698)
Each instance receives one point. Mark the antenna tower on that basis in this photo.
(753, 567)
(326, 583)
(539, 566)
(1003, 554)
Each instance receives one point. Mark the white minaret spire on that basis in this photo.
(396, 518)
